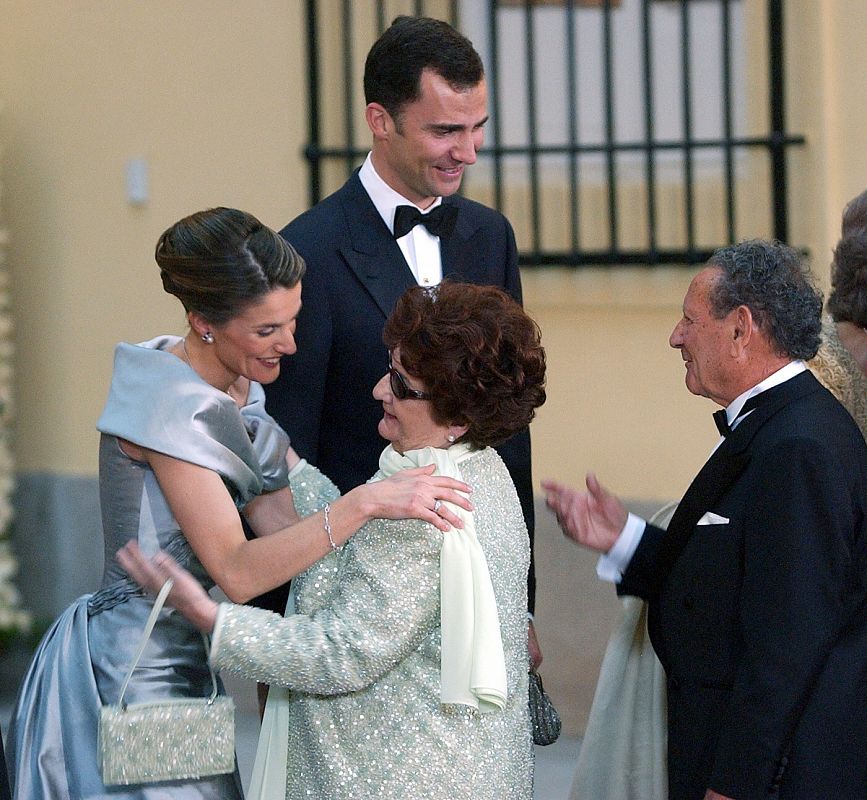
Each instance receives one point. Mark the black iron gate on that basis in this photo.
(569, 154)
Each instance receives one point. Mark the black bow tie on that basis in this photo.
(721, 418)
(440, 222)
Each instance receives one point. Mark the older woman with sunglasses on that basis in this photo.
(406, 656)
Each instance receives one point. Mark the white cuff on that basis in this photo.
(613, 564)
(298, 467)
(218, 625)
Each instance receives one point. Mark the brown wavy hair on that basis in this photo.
(478, 354)
(848, 299)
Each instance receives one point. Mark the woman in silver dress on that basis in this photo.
(407, 655)
(186, 444)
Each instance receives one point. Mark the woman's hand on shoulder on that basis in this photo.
(418, 494)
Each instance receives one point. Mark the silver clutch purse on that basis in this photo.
(543, 716)
(175, 739)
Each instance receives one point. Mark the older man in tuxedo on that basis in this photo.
(396, 222)
(758, 589)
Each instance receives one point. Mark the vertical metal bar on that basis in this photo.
(608, 81)
(453, 13)
(572, 88)
(776, 142)
(348, 86)
(689, 198)
(532, 132)
(650, 153)
(725, 10)
(419, 8)
(315, 192)
(494, 95)
(778, 120)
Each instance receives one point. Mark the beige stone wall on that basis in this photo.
(212, 94)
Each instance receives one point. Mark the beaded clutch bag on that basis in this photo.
(543, 716)
(175, 739)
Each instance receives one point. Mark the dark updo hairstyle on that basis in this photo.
(478, 354)
(848, 299)
(217, 262)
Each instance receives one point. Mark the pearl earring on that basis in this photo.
(451, 438)
(208, 337)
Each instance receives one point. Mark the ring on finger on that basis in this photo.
(436, 508)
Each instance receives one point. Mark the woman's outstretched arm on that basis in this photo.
(244, 569)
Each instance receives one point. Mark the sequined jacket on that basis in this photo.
(362, 656)
(838, 371)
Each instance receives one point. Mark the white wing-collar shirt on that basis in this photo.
(613, 564)
(420, 248)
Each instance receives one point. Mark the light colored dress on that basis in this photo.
(362, 656)
(156, 401)
(624, 750)
(840, 374)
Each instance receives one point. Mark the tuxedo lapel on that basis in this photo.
(718, 474)
(458, 257)
(724, 467)
(372, 254)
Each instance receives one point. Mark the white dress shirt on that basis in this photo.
(420, 248)
(613, 564)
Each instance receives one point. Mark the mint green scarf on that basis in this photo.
(472, 667)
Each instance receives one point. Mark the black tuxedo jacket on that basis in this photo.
(355, 274)
(761, 621)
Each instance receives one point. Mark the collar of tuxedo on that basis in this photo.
(726, 464)
(761, 407)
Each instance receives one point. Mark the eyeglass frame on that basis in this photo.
(400, 388)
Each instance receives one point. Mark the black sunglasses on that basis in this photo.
(400, 389)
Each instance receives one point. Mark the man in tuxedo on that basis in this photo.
(395, 223)
(758, 590)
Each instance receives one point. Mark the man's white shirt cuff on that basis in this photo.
(613, 564)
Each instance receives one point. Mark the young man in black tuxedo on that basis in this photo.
(758, 589)
(395, 223)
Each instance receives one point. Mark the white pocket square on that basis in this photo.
(709, 518)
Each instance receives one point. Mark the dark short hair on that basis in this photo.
(392, 71)
(478, 354)
(771, 279)
(848, 299)
(219, 261)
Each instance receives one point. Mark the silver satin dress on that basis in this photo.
(158, 402)
(362, 656)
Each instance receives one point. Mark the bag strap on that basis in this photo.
(149, 626)
(538, 677)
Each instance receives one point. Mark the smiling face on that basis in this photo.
(422, 152)
(251, 344)
(408, 424)
(705, 343)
